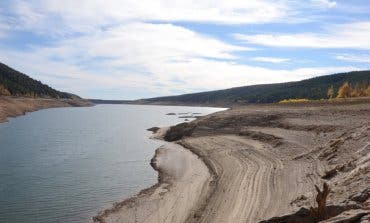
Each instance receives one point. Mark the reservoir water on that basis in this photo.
(66, 164)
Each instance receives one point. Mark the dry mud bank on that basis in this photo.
(264, 161)
(15, 106)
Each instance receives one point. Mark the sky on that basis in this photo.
(130, 49)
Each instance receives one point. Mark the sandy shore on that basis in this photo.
(260, 164)
(15, 106)
(183, 183)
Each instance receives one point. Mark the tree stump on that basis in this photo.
(320, 213)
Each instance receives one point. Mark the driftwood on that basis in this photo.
(320, 213)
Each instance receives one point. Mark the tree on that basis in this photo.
(330, 92)
(345, 90)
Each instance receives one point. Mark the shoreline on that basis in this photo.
(131, 200)
(263, 162)
(165, 201)
(11, 107)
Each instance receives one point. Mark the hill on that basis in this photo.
(15, 83)
(314, 88)
(102, 101)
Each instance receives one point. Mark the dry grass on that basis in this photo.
(294, 100)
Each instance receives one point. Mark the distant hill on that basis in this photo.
(102, 101)
(314, 88)
(15, 83)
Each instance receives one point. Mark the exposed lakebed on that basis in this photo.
(66, 164)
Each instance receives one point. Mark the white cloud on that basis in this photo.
(351, 35)
(136, 55)
(86, 15)
(354, 58)
(4, 28)
(162, 69)
(63, 17)
(160, 42)
(325, 3)
(271, 59)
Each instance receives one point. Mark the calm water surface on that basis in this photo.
(66, 164)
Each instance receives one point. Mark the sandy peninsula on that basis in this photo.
(260, 163)
(16, 106)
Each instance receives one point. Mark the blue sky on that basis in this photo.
(129, 49)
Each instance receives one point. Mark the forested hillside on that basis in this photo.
(15, 83)
(314, 88)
